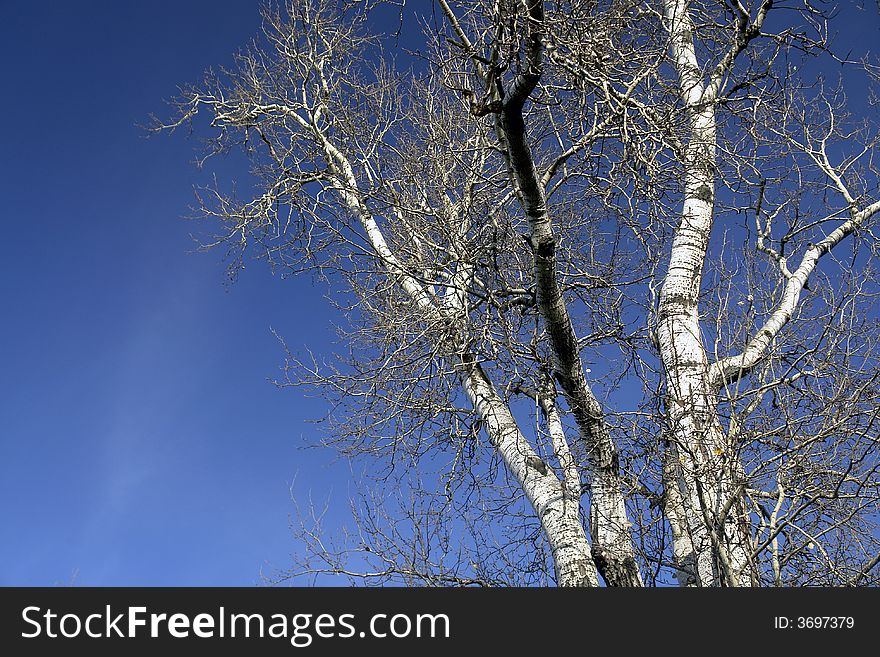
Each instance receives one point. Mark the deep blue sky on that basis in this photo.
(140, 443)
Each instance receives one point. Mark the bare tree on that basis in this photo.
(670, 193)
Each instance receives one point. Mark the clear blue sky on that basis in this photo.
(140, 443)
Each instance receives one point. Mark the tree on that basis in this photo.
(672, 193)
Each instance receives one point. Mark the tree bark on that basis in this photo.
(609, 525)
(565, 534)
(712, 549)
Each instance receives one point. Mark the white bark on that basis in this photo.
(547, 495)
(698, 484)
(730, 369)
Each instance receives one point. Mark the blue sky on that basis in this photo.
(140, 442)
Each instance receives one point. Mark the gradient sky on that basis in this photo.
(140, 442)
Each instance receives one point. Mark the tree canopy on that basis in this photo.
(609, 274)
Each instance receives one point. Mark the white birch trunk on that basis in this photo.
(698, 474)
(546, 494)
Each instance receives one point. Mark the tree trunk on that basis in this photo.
(557, 512)
(711, 550)
(609, 525)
